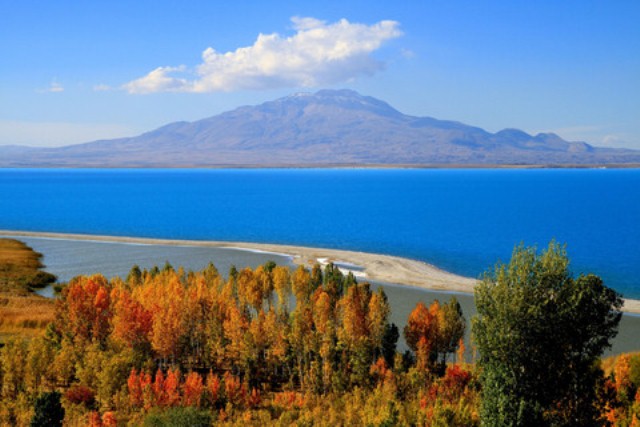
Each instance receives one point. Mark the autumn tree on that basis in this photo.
(85, 311)
(166, 302)
(212, 388)
(236, 327)
(355, 333)
(134, 389)
(192, 389)
(196, 325)
(325, 326)
(264, 278)
(539, 332)
(326, 355)
(421, 333)
(172, 388)
(249, 289)
(282, 286)
(132, 323)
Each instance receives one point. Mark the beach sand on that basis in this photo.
(383, 268)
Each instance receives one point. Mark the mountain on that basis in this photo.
(330, 127)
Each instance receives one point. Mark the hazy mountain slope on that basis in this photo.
(328, 127)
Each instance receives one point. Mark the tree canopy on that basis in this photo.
(540, 332)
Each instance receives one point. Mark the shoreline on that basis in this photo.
(378, 267)
(198, 166)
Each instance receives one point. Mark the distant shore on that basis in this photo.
(198, 166)
(384, 268)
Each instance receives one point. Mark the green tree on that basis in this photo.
(452, 327)
(134, 278)
(48, 410)
(539, 332)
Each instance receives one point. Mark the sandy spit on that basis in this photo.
(385, 268)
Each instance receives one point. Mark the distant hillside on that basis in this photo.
(326, 128)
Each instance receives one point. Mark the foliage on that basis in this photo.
(79, 394)
(306, 347)
(434, 332)
(623, 390)
(540, 332)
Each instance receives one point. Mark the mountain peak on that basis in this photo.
(350, 99)
(345, 93)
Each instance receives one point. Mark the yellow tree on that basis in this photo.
(167, 318)
(324, 321)
(301, 283)
(275, 329)
(259, 342)
(265, 282)
(282, 285)
(198, 310)
(355, 334)
(236, 326)
(301, 337)
(249, 289)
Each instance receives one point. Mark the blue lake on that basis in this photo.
(460, 220)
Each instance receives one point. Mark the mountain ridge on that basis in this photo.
(329, 127)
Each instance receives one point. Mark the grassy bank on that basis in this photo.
(22, 313)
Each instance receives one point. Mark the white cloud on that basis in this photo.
(55, 134)
(317, 54)
(54, 87)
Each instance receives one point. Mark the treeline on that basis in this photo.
(271, 346)
(266, 344)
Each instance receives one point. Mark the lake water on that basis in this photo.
(460, 220)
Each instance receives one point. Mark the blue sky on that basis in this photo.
(75, 71)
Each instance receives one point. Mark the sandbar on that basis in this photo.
(377, 267)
